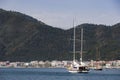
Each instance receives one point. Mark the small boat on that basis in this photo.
(78, 67)
(100, 69)
(98, 66)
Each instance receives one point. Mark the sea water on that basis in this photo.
(56, 74)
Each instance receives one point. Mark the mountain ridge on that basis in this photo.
(23, 38)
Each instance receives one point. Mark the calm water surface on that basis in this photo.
(56, 74)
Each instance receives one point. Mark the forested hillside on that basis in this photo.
(23, 38)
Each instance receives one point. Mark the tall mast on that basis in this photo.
(81, 52)
(74, 42)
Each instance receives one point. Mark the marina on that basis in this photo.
(39, 41)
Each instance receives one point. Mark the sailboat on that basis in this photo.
(78, 67)
(98, 67)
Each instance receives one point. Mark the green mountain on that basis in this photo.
(23, 38)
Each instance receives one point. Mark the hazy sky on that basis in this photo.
(60, 13)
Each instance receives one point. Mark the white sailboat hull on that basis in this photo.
(77, 71)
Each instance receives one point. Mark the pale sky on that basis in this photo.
(60, 13)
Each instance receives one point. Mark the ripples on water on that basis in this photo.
(56, 74)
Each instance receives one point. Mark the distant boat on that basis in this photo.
(78, 67)
(98, 66)
(100, 69)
